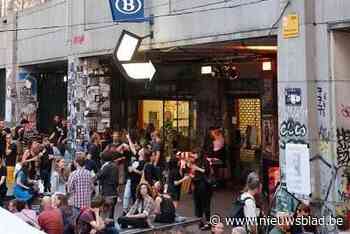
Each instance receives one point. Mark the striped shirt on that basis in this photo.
(80, 187)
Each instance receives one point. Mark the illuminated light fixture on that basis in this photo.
(206, 70)
(140, 70)
(262, 48)
(124, 52)
(269, 48)
(267, 66)
(65, 79)
(127, 46)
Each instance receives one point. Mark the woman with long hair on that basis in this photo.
(58, 176)
(164, 206)
(139, 215)
(23, 189)
(202, 189)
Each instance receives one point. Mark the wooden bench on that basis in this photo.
(161, 227)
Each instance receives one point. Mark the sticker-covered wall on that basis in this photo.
(88, 98)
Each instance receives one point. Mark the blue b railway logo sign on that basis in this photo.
(127, 10)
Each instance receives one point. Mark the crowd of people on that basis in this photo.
(80, 196)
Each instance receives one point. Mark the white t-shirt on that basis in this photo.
(250, 210)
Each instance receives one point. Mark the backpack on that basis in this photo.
(237, 211)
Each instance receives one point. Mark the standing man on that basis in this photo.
(2, 138)
(57, 129)
(109, 181)
(80, 184)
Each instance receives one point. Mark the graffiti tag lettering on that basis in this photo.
(291, 128)
(345, 111)
(321, 102)
(343, 147)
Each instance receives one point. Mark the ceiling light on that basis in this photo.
(267, 66)
(206, 70)
(269, 48)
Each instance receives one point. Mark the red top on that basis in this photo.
(51, 221)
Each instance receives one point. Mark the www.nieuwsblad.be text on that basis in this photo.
(273, 221)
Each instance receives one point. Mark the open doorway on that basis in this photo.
(174, 119)
(52, 99)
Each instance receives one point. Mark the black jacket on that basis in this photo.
(108, 177)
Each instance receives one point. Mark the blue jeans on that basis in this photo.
(127, 194)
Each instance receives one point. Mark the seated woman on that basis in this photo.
(23, 189)
(164, 207)
(139, 215)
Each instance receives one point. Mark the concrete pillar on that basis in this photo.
(303, 67)
(88, 98)
(11, 70)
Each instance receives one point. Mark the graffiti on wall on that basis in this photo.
(291, 128)
(343, 147)
(27, 96)
(344, 188)
(292, 131)
(345, 111)
(321, 101)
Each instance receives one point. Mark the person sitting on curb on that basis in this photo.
(140, 214)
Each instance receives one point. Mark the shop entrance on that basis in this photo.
(232, 86)
(173, 118)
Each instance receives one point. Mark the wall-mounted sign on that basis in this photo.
(290, 26)
(293, 96)
(127, 10)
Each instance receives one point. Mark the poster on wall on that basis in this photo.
(268, 135)
(298, 169)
